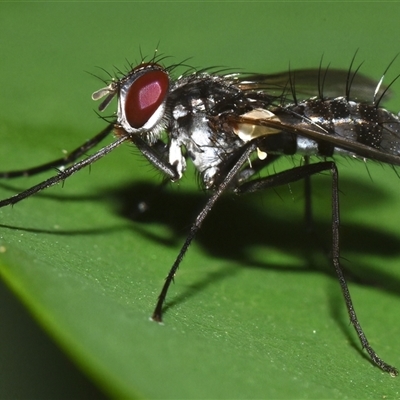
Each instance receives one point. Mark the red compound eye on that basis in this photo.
(145, 96)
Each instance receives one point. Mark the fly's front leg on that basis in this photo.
(64, 174)
(169, 170)
(307, 171)
(70, 158)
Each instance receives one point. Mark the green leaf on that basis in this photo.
(255, 311)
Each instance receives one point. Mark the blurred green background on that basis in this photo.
(90, 276)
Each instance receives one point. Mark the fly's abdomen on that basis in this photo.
(354, 123)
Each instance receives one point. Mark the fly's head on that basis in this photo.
(141, 96)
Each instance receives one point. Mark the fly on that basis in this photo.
(231, 126)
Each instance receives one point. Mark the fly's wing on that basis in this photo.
(305, 83)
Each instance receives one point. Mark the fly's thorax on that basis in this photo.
(194, 103)
(205, 146)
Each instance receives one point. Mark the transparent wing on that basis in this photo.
(305, 83)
